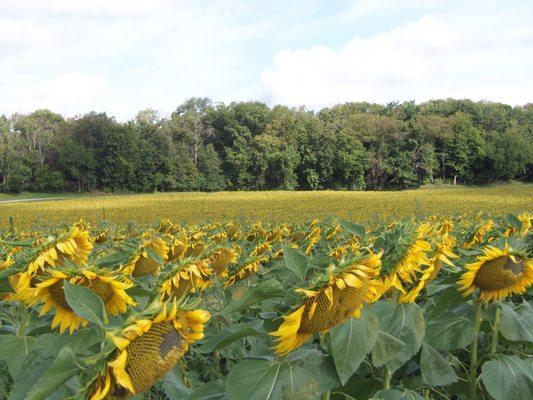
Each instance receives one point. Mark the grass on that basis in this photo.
(370, 207)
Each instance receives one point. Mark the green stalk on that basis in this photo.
(473, 351)
(495, 330)
(386, 378)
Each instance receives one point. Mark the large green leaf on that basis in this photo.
(231, 334)
(263, 291)
(266, 380)
(15, 349)
(358, 387)
(208, 391)
(436, 370)
(174, 388)
(449, 331)
(295, 261)
(355, 229)
(85, 303)
(404, 322)
(517, 322)
(397, 395)
(64, 367)
(351, 341)
(32, 369)
(387, 346)
(508, 378)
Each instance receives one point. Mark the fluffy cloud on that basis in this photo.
(429, 58)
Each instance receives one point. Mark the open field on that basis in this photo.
(192, 207)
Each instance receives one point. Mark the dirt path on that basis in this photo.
(36, 199)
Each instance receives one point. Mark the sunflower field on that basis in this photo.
(432, 308)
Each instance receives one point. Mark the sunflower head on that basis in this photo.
(498, 273)
(405, 260)
(146, 350)
(74, 245)
(222, 259)
(189, 276)
(48, 290)
(247, 269)
(337, 295)
(150, 258)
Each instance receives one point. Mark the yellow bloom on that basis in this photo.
(326, 306)
(497, 274)
(147, 350)
(187, 278)
(142, 264)
(110, 288)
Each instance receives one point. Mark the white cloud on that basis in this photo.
(61, 92)
(430, 58)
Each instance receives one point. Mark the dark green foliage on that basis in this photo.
(249, 146)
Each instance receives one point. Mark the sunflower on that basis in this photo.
(525, 219)
(478, 236)
(442, 255)
(146, 350)
(405, 260)
(142, 263)
(187, 278)
(110, 288)
(75, 246)
(221, 259)
(497, 274)
(313, 238)
(248, 269)
(328, 304)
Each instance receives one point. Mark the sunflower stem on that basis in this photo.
(495, 330)
(386, 378)
(426, 394)
(473, 351)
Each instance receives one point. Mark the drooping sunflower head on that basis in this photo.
(405, 260)
(497, 273)
(248, 268)
(149, 259)
(222, 258)
(478, 234)
(338, 295)
(74, 245)
(188, 276)
(48, 290)
(146, 350)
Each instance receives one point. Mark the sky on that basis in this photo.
(122, 56)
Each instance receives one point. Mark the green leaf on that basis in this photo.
(436, 370)
(449, 331)
(397, 395)
(265, 290)
(64, 367)
(386, 348)
(358, 387)
(85, 303)
(33, 368)
(295, 262)
(174, 388)
(355, 229)
(154, 255)
(266, 380)
(404, 322)
(508, 378)
(5, 286)
(351, 341)
(231, 334)
(15, 349)
(517, 322)
(208, 391)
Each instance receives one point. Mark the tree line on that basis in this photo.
(249, 146)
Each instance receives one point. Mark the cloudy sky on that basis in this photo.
(121, 56)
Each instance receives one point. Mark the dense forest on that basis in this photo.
(249, 146)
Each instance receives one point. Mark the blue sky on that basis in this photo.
(122, 56)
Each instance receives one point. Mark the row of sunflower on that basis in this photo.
(319, 310)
